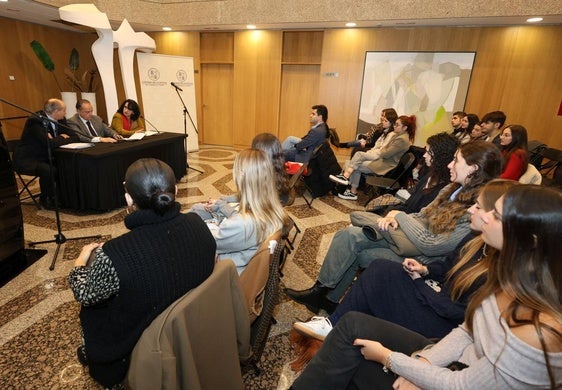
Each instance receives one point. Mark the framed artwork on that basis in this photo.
(429, 85)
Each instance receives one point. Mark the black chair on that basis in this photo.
(550, 159)
(393, 180)
(321, 165)
(25, 185)
(535, 148)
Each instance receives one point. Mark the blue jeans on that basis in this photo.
(350, 251)
(288, 147)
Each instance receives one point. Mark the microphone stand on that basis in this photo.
(59, 237)
(185, 111)
(147, 121)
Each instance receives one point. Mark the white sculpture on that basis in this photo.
(125, 39)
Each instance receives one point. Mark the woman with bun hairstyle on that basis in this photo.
(134, 277)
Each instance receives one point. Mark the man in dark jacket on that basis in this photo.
(300, 149)
(31, 156)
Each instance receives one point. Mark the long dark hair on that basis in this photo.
(518, 143)
(442, 148)
(152, 185)
(528, 270)
(270, 144)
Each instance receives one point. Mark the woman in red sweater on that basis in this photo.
(513, 140)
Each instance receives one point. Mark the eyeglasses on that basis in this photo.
(398, 124)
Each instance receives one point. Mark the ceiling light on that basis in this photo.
(251, 26)
(167, 28)
(534, 20)
(350, 24)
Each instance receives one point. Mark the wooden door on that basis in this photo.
(216, 84)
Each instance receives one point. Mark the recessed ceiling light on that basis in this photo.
(350, 24)
(167, 28)
(534, 20)
(251, 26)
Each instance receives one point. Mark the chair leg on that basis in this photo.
(25, 187)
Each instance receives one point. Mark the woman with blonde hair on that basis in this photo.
(240, 223)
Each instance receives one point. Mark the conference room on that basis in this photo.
(246, 68)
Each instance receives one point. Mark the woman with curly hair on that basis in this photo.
(433, 232)
(270, 144)
(513, 141)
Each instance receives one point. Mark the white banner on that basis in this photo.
(161, 101)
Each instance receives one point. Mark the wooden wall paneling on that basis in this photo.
(33, 84)
(299, 92)
(217, 47)
(257, 75)
(216, 90)
(302, 47)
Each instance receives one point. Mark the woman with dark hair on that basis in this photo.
(513, 141)
(512, 334)
(435, 175)
(367, 141)
(383, 157)
(127, 120)
(270, 144)
(431, 298)
(134, 277)
(467, 124)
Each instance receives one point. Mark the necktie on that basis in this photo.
(91, 128)
(54, 127)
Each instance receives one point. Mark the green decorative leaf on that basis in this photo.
(43, 56)
(74, 60)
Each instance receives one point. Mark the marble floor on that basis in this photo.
(39, 326)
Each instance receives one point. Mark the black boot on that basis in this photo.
(313, 298)
(81, 354)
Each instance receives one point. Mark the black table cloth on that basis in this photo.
(92, 178)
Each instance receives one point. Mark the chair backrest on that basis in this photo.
(321, 165)
(531, 176)
(198, 341)
(406, 162)
(254, 277)
(550, 159)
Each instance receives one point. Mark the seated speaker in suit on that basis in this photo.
(89, 127)
(31, 157)
(300, 149)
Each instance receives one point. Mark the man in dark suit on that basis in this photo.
(89, 127)
(31, 156)
(300, 149)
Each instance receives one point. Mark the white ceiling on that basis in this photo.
(31, 11)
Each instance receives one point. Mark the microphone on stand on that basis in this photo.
(175, 86)
(147, 121)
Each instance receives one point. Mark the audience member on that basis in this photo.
(269, 143)
(134, 277)
(513, 141)
(89, 127)
(433, 232)
(383, 157)
(31, 156)
(456, 121)
(467, 124)
(128, 120)
(492, 123)
(439, 152)
(477, 134)
(240, 223)
(431, 298)
(512, 335)
(300, 149)
(367, 141)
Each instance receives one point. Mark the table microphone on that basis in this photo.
(147, 121)
(175, 86)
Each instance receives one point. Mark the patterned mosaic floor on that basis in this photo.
(39, 326)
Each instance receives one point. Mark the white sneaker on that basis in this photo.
(348, 195)
(317, 327)
(340, 179)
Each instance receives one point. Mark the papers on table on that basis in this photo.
(135, 137)
(77, 145)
